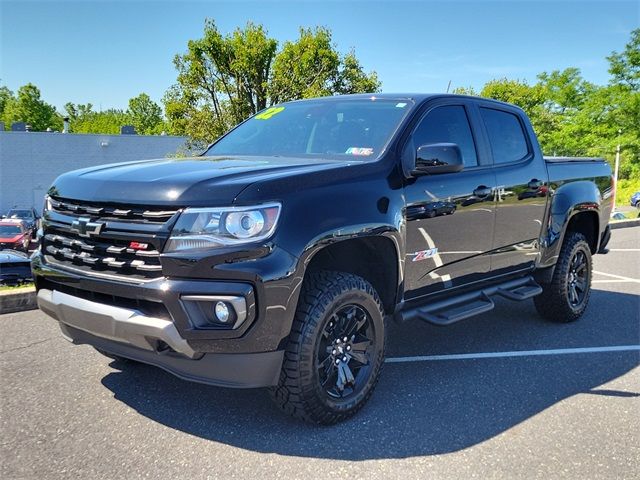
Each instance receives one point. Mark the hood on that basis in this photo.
(12, 239)
(197, 181)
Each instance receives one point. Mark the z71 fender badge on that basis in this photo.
(424, 254)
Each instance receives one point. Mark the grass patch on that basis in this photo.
(8, 288)
(626, 187)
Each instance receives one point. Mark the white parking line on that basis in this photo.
(619, 277)
(517, 353)
(611, 281)
(624, 249)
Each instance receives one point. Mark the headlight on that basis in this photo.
(218, 227)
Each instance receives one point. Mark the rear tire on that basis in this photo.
(325, 379)
(566, 297)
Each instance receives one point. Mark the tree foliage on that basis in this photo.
(574, 117)
(223, 79)
(143, 113)
(27, 106)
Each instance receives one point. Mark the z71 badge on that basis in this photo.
(424, 254)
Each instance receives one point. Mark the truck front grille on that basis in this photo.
(102, 256)
(105, 211)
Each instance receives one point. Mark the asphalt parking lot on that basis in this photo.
(502, 395)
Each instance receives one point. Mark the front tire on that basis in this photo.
(566, 297)
(335, 351)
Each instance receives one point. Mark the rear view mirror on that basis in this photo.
(438, 158)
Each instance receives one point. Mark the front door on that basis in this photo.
(449, 217)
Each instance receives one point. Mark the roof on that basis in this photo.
(416, 97)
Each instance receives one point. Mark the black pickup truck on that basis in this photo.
(275, 258)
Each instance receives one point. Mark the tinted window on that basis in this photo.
(448, 125)
(508, 141)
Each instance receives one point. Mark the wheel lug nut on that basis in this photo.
(348, 348)
(345, 339)
(344, 359)
(338, 361)
(334, 351)
(338, 341)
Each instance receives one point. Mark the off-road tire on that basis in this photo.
(299, 392)
(553, 303)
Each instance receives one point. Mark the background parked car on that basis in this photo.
(635, 200)
(28, 215)
(15, 234)
(15, 268)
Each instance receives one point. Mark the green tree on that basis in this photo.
(83, 119)
(226, 76)
(223, 79)
(306, 67)
(5, 96)
(625, 66)
(27, 106)
(145, 115)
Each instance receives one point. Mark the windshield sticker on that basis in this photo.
(365, 151)
(268, 113)
(401, 105)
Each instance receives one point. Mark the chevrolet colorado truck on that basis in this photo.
(275, 258)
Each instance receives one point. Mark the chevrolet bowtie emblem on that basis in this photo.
(85, 227)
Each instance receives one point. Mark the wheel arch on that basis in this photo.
(374, 258)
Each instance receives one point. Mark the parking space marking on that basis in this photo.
(516, 353)
(619, 277)
(611, 281)
(624, 249)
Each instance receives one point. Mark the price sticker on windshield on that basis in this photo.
(268, 113)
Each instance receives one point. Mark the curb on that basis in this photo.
(19, 301)
(624, 223)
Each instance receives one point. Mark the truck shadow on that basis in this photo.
(418, 409)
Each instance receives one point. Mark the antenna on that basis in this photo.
(449, 86)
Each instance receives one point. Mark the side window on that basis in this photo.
(448, 124)
(506, 136)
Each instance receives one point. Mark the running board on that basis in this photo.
(454, 309)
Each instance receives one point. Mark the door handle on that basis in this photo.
(534, 184)
(482, 191)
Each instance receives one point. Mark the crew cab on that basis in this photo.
(276, 257)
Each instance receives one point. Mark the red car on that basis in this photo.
(14, 235)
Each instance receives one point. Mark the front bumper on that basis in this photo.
(156, 341)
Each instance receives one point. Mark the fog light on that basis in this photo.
(222, 312)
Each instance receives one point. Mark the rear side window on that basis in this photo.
(507, 138)
(448, 124)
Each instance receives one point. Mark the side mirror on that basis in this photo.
(438, 158)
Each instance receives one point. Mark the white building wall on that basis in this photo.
(31, 161)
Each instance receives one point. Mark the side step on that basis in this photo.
(454, 309)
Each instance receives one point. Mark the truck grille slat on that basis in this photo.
(101, 256)
(131, 213)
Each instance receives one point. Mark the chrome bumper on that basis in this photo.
(112, 323)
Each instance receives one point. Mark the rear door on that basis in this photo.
(449, 217)
(521, 187)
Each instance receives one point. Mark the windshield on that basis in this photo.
(347, 128)
(10, 230)
(20, 214)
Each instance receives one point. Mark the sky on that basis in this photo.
(105, 52)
